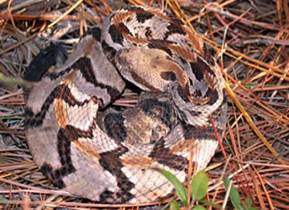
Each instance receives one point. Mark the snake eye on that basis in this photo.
(168, 75)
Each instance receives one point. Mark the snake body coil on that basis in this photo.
(96, 152)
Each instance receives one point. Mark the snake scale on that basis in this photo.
(89, 149)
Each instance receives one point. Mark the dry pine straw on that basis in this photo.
(249, 39)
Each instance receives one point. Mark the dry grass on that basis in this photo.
(250, 41)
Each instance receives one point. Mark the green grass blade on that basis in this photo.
(179, 187)
(199, 184)
(247, 204)
(174, 205)
(199, 208)
(234, 194)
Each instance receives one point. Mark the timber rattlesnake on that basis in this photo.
(111, 156)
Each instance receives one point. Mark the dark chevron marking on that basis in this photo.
(59, 92)
(199, 68)
(160, 44)
(174, 28)
(64, 138)
(162, 110)
(114, 126)
(95, 32)
(141, 14)
(111, 162)
(52, 55)
(115, 35)
(194, 132)
(35, 120)
(116, 32)
(85, 67)
(213, 96)
(164, 156)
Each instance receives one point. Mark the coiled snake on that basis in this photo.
(112, 156)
